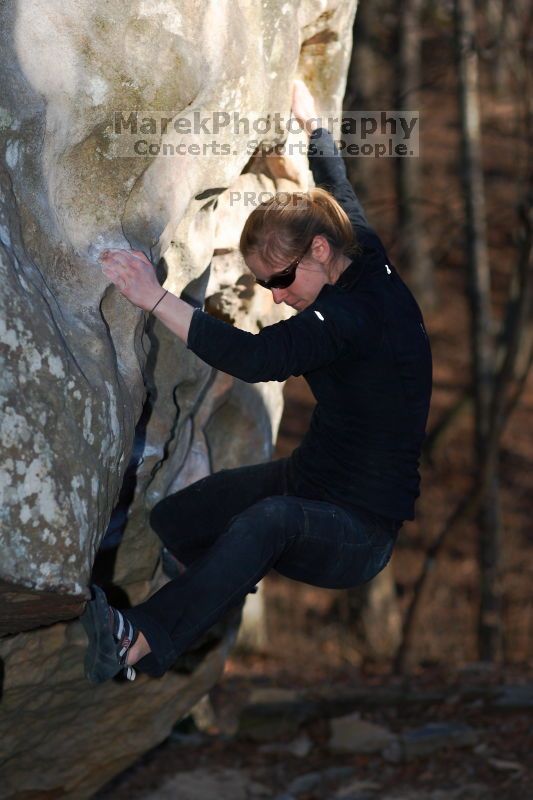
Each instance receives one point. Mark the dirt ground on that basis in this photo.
(219, 764)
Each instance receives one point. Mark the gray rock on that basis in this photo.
(78, 358)
(333, 774)
(321, 778)
(77, 353)
(513, 698)
(469, 791)
(429, 739)
(334, 702)
(351, 734)
(504, 765)
(211, 783)
(188, 739)
(358, 796)
(477, 671)
(273, 695)
(357, 790)
(299, 747)
(305, 783)
(256, 789)
(271, 713)
(119, 720)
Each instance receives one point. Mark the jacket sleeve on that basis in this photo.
(329, 172)
(307, 341)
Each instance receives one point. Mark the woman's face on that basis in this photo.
(310, 275)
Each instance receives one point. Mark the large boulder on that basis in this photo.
(102, 410)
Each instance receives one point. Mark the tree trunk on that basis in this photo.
(413, 254)
(373, 618)
(253, 633)
(509, 385)
(482, 344)
(361, 90)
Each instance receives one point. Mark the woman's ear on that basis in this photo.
(321, 249)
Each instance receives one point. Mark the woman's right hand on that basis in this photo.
(133, 275)
(303, 107)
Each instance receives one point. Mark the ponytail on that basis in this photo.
(281, 228)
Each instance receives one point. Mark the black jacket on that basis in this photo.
(363, 349)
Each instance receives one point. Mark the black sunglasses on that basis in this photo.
(284, 278)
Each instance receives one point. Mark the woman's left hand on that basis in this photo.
(303, 107)
(134, 276)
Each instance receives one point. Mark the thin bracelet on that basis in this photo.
(163, 295)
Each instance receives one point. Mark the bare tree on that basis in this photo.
(506, 22)
(360, 608)
(361, 88)
(371, 615)
(501, 362)
(509, 384)
(413, 253)
(482, 341)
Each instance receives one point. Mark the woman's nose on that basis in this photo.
(278, 295)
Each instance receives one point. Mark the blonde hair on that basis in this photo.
(280, 228)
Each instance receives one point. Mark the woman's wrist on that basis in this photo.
(175, 314)
(161, 297)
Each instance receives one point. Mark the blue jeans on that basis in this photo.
(230, 529)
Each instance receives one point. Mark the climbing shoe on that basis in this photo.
(110, 636)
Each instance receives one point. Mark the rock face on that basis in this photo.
(102, 411)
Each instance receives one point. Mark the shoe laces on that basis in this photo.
(125, 635)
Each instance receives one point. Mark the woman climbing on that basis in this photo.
(330, 513)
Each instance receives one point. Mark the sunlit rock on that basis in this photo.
(102, 411)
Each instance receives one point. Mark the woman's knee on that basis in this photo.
(159, 518)
(268, 508)
(266, 518)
